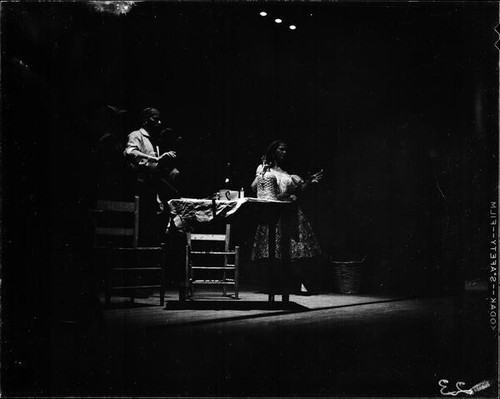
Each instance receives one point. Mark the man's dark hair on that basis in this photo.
(147, 112)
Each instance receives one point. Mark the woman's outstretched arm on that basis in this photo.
(302, 184)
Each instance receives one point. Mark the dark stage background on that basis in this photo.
(396, 102)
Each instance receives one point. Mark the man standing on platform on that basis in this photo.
(155, 171)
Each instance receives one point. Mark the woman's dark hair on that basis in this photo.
(270, 154)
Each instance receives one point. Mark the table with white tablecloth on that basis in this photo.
(188, 213)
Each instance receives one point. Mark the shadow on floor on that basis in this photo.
(233, 305)
(127, 305)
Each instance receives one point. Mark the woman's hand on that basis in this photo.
(301, 184)
(316, 177)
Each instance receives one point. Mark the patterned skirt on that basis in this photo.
(303, 243)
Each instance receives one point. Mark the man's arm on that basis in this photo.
(133, 152)
(141, 159)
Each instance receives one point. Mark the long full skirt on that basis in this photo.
(303, 243)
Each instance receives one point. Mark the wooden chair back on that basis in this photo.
(117, 226)
(205, 246)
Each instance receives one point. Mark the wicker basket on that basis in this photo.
(348, 276)
(267, 187)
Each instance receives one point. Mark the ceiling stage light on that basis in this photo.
(263, 13)
(278, 20)
(292, 27)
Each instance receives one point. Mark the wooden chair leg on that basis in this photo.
(187, 272)
(236, 272)
(224, 288)
(272, 256)
(163, 276)
(108, 278)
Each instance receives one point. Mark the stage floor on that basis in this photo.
(208, 306)
(319, 345)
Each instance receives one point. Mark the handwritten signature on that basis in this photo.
(471, 391)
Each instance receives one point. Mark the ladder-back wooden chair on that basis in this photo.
(129, 267)
(210, 261)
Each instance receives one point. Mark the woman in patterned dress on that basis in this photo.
(304, 244)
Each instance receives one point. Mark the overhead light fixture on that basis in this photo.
(278, 20)
(263, 13)
(112, 7)
(292, 27)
